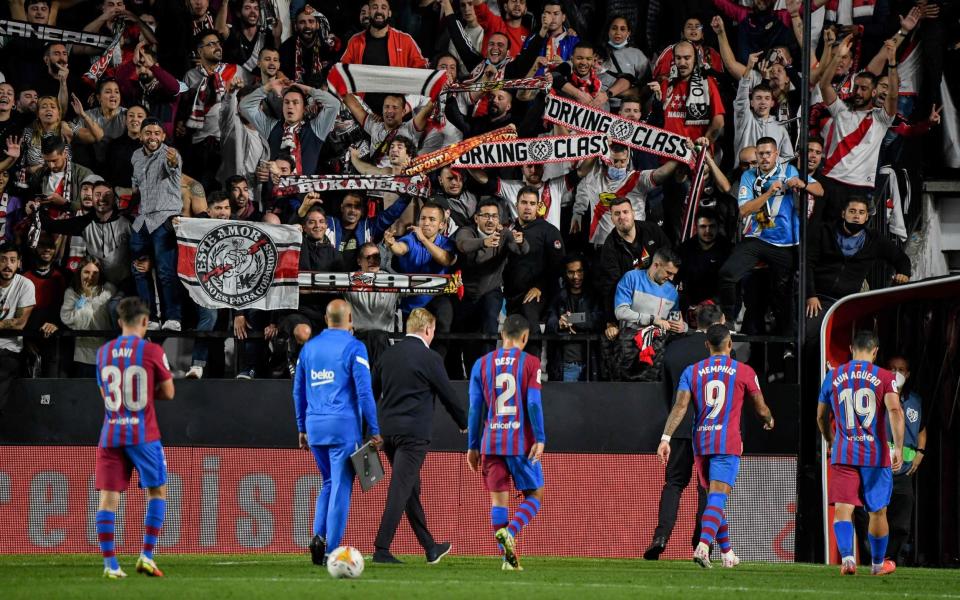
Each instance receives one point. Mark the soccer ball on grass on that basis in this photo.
(345, 562)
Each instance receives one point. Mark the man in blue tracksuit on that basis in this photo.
(332, 398)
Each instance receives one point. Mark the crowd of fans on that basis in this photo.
(204, 105)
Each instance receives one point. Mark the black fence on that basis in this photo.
(768, 353)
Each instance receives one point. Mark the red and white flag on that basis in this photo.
(239, 264)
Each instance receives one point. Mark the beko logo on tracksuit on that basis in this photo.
(321, 377)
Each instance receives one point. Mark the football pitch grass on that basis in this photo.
(291, 576)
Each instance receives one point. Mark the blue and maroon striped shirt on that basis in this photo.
(506, 415)
(855, 393)
(718, 385)
(128, 370)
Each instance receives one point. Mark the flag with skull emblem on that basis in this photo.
(239, 264)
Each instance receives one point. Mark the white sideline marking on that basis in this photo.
(563, 584)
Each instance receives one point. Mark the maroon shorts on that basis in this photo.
(869, 487)
(496, 475)
(116, 465)
(499, 471)
(114, 469)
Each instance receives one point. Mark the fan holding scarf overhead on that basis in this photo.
(692, 105)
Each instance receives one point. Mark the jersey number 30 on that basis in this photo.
(130, 389)
(509, 385)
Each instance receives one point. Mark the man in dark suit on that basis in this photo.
(411, 375)
(678, 355)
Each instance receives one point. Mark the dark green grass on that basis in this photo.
(289, 576)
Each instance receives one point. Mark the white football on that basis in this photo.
(345, 562)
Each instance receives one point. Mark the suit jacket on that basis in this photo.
(411, 376)
(678, 355)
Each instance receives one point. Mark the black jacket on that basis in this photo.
(699, 274)
(411, 376)
(318, 255)
(587, 303)
(833, 275)
(677, 356)
(540, 267)
(617, 257)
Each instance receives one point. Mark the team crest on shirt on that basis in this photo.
(235, 263)
(912, 415)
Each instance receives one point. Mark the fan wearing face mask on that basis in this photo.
(610, 179)
(900, 509)
(839, 256)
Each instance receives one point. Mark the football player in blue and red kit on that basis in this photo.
(505, 428)
(861, 397)
(131, 374)
(717, 386)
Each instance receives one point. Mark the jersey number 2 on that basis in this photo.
(509, 385)
(130, 389)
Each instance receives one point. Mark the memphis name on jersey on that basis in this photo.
(506, 416)
(855, 392)
(718, 385)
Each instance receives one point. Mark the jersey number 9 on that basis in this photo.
(130, 388)
(716, 392)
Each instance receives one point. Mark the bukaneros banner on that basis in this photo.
(550, 149)
(640, 136)
(239, 264)
(350, 79)
(399, 283)
(32, 31)
(416, 185)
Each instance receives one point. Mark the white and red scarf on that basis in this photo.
(203, 23)
(210, 93)
(99, 66)
(838, 10)
(589, 84)
(290, 141)
(351, 79)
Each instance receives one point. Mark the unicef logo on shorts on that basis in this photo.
(235, 264)
(621, 130)
(541, 150)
